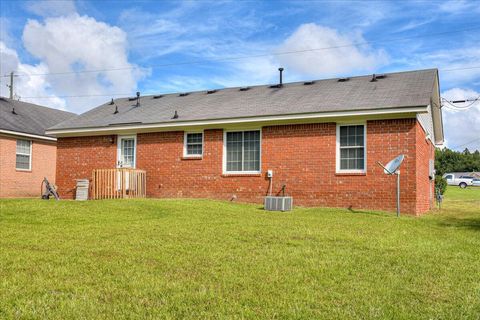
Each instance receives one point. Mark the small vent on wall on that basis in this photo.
(244, 88)
(343, 79)
(184, 94)
(158, 96)
(308, 83)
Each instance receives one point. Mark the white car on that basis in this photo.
(462, 181)
(476, 182)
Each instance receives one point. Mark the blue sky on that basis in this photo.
(155, 44)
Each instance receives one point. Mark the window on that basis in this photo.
(351, 148)
(126, 151)
(242, 151)
(24, 155)
(193, 144)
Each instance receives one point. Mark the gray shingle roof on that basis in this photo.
(29, 118)
(403, 89)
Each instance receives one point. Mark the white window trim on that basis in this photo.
(24, 154)
(119, 152)
(341, 124)
(224, 161)
(185, 155)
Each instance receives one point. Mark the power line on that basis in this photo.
(258, 55)
(79, 96)
(455, 107)
(457, 69)
(465, 144)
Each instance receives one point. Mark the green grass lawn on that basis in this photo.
(202, 259)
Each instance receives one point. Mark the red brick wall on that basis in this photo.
(425, 186)
(301, 156)
(18, 184)
(78, 156)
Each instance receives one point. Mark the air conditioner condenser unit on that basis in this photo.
(278, 203)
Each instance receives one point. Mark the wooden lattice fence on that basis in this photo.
(118, 183)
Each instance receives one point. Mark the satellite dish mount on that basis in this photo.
(392, 168)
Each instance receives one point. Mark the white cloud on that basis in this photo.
(345, 59)
(253, 71)
(246, 72)
(414, 24)
(24, 86)
(77, 43)
(180, 31)
(464, 57)
(51, 8)
(462, 126)
(191, 31)
(459, 6)
(5, 36)
(171, 36)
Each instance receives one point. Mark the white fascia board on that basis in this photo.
(438, 126)
(28, 135)
(114, 129)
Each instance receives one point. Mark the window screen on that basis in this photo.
(352, 148)
(23, 154)
(194, 144)
(243, 151)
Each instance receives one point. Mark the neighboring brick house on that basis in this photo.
(322, 140)
(27, 154)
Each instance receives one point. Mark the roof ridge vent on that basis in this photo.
(244, 88)
(158, 96)
(308, 83)
(183, 94)
(211, 91)
(343, 79)
(375, 77)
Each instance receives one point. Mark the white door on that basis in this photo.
(126, 152)
(126, 156)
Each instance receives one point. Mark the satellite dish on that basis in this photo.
(393, 165)
(390, 169)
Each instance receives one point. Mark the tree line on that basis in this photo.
(447, 160)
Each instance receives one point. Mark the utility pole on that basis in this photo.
(11, 85)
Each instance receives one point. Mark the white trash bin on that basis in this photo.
(82, 189)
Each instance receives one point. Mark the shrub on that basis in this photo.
(440, 184)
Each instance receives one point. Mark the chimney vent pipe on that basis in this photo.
(281, 76)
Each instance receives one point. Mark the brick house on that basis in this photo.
(321, 139)
(27, 154)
